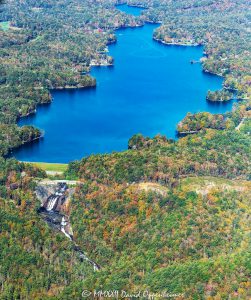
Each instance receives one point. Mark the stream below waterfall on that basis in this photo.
(53, 197)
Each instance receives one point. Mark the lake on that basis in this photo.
(150, 88)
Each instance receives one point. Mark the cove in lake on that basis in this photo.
(150, 88)
(131, 10)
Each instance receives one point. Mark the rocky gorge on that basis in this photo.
(54, 197)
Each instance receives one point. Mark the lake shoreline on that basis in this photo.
(108, 43)
(175, 43)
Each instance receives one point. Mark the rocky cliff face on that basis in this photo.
(53, 195)
(54, 198)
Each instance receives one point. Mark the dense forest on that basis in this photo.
(222, 27)
(51, 44)
(164, 215)
(222, 95)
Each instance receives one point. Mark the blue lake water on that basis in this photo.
(149, 90)
(132, 10)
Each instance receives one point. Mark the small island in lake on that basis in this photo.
(124, 180)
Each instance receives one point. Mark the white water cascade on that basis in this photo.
(53, 198)
(51, 203)
(63, 224)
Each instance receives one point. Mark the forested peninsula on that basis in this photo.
(163, 215)
(51, 45)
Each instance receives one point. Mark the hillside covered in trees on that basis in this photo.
(163, 216)
(49, 45)
(222, 27)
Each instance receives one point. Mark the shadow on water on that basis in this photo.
(27, 149)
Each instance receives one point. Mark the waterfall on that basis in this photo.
(52, 197)
(64, 223)
(52, 200)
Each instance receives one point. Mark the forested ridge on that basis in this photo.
(52, 44)
(164, 215)
(48, 45)
(222, 27)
